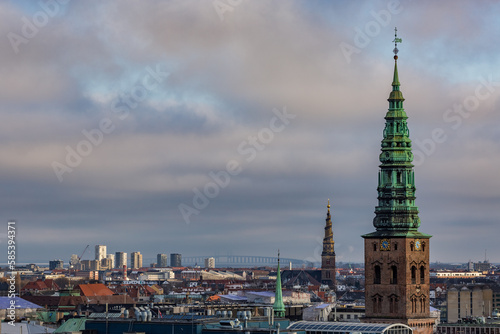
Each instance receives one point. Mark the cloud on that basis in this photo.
(225, 78)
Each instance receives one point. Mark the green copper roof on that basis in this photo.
(396, 214)
(395, 80)
(278, 307)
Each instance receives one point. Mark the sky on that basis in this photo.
(223, 127)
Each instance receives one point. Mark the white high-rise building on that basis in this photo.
(111, 258)
(73, 260)
(135, 260)
(210, 262)
(100, 252)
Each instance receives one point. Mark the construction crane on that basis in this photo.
(80, 257)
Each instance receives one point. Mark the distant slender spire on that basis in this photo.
(328, 254)
(328, 243)
(278, 307)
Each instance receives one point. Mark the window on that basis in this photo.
(395, 245)
(422, 304)
(393, 304)
(413, 275)
(377, 304)
(394, 275)
(374, 247)
(377, 275)
(414, 304)
(422, 275)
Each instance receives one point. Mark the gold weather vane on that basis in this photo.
(396, 41)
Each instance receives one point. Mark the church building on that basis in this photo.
(397, 253)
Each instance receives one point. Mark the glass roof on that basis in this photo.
(343, 326)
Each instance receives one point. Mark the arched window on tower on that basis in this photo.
(377, 275)
(413, 304)
(413, 275)
(422, 275)
(400, 177)
(422, 304)
(377, 304)
(393, 304)
(394, 275)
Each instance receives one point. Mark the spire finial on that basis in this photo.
(396, 41)
(328, 206)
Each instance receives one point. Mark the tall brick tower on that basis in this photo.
(397, 254)
(328, 254)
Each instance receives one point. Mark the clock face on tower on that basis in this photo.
(418, 244)
(385, 244)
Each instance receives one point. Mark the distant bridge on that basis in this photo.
(236, 261)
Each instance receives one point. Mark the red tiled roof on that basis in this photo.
(51, 284)
(116, 299)
(98, 289)
(41, 285)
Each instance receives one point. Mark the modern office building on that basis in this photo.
(120, 260)
(100, 252)
(135, 260)
(73, 260)
(175, 260)
(106, 264)
(56, 264)
(111, 258)
(162, 260)
(210, 262)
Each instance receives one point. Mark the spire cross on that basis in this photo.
(396, 41)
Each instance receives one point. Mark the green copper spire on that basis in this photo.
(395, 80)
(396, 213)
(278, 307)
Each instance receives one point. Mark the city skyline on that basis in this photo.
(198, 128)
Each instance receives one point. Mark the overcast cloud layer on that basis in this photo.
(287, 98)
